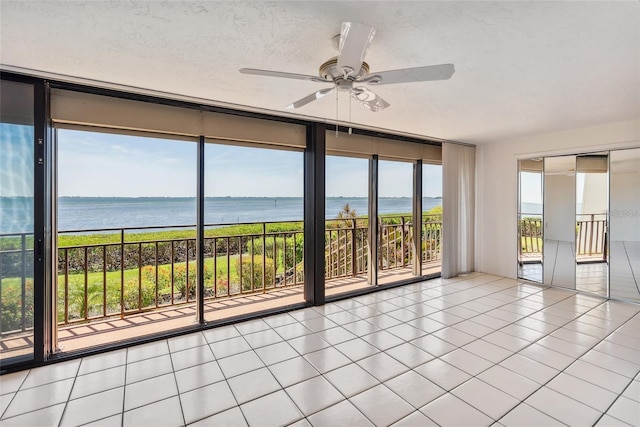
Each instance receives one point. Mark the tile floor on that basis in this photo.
(474, 350)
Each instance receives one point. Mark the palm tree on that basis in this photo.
(347, 212)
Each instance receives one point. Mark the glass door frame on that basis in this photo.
(41, 222)
(415, 247)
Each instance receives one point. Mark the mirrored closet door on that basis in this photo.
(624, 233)
(592, 205)
(559, 210)
(579, 222)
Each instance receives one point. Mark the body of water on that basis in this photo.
(532, 208)
(78, 213)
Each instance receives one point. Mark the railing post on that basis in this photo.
(66, 285)
(227, 242)
(240, 262)
(275, 259)
(186, 273)
(402, 247)
(104, 280)
(173, 257)
(284, 256)
(86, 283)
(214, 248)
(23, 281)
(591, 235)
(140, 275)
(354, 263)
(156, 273)
(383, 242)
(264, 258)
(121, 273)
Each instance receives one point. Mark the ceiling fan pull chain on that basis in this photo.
(350, 114)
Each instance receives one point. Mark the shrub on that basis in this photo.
(222, 285)
(293, 255)
(254, 281)
(11, 307)
(76, 300)
(147, 295)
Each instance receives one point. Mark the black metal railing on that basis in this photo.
(16, 283)
(109, 272)
(124, 277)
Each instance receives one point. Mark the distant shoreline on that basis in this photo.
(227, 197)
(88, 213)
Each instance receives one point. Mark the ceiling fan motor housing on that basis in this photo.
(329, 71)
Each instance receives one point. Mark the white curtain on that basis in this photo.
(458, 200)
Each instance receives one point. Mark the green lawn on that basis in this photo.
(231, 230)
(131, 285)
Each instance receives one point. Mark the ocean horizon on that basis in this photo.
(85, 213)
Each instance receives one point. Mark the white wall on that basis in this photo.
(496, 180)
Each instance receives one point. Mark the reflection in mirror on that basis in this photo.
(625, 225)
(530, 219)
(592, 203)
(559, 221)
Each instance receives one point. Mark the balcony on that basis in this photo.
(118, 284)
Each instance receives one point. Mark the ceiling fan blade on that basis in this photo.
(409, 75)
(355, 39)
(369, 99)
(310, 98)
(269, 73)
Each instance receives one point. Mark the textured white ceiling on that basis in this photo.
(521, 67)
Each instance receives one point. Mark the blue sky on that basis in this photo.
(104, 165)
(531, 187)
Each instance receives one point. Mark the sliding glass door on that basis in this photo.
(254, 234)
(346, 225)
(395, 221)
(126, 239)
(17, 225)
(431, 219)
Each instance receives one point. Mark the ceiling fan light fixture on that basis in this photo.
(364, 96)
(369, 99)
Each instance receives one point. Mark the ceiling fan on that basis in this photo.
(349, 68)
